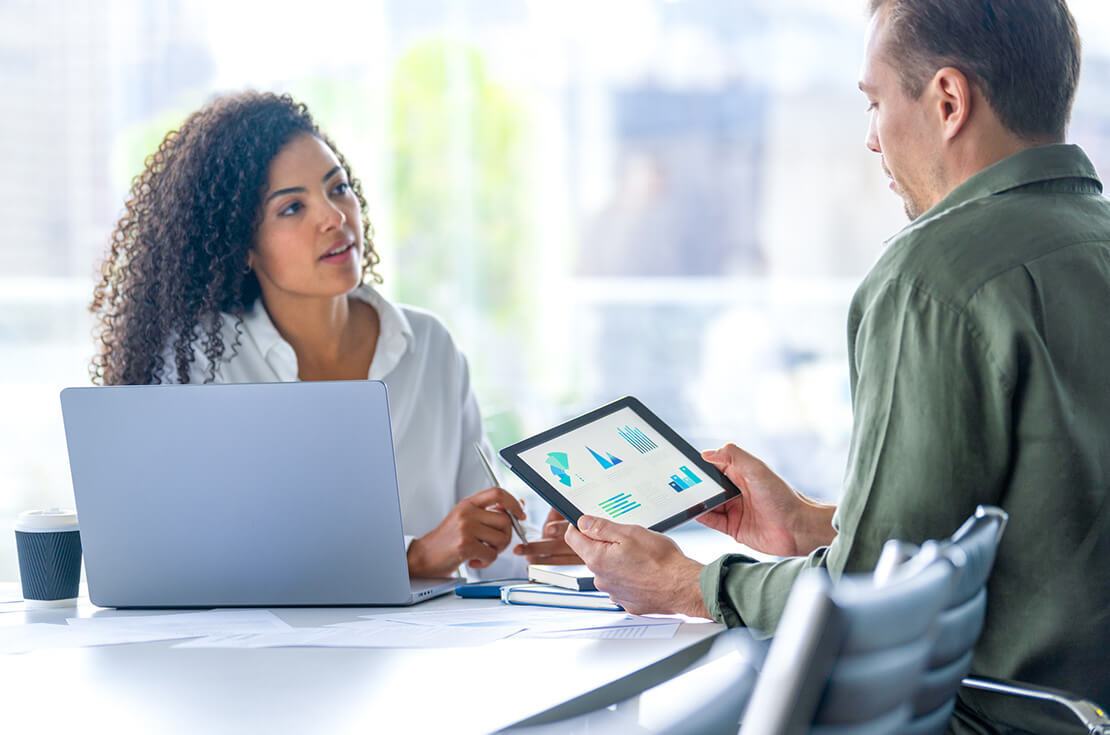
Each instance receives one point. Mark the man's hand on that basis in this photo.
(643, 571)
(769, 515)
(552, 547)
(475, 531)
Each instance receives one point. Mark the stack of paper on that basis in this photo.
(380, 634)
(405, 629)
(541, 622)
(115, 630)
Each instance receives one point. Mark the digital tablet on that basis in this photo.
(619, 462)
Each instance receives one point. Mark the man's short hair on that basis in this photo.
(1023, 55)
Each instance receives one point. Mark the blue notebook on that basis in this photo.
(547, 595)
(486, 589)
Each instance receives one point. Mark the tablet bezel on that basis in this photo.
(510, 455)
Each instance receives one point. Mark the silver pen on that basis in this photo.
(494, 483)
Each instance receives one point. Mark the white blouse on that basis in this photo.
(432, 408)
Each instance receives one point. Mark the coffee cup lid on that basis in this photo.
(51, 519)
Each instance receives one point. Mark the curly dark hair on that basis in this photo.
(178, 255)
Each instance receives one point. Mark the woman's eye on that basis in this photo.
(290, 209)
(342, 188)
(871, 107)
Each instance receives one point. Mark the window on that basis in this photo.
(665, 199)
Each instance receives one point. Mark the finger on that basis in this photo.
(733, 455)
(496, 495)
(555, 529)
(491, 536)
(581, 544)
(713, 520)
(479, 554)
(554, 515)
(545, 548)
(600, 529)
(567, 559)
(491, 527)
(714, 457)
(498, 519)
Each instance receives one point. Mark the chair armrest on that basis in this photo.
(1093, 717)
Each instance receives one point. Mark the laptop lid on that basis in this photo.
(237, 495)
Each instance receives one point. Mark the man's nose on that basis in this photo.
(872, 141)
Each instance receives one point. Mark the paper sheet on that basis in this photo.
(380, 634)
(36, 636)
(534, 619)
(663, 631)
(500, 615)
(10, 607)
(183, 625)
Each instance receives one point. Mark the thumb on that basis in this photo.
(600, 529)
(738, 465)
(715, 457)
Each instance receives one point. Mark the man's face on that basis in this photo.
(900, 128)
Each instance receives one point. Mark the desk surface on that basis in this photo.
(152, 687)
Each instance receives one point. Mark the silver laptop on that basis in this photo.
(239, 495)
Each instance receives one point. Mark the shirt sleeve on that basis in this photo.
(930, 441)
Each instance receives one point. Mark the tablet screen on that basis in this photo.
(619, 467)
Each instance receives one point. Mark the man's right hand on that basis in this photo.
(769, 515)
(475, 531)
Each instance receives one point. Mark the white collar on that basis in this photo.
(394, 339)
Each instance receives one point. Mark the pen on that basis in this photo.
(494, 483)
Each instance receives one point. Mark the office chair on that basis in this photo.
(847, 658)
(971, 550)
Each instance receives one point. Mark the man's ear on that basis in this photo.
(953, 100)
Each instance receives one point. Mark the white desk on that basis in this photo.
(152, 687)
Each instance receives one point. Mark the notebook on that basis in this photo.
(569, 576)
(549, 596)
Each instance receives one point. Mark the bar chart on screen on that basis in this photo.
(685, 481)
(638, 439)
(618, 505)
(607, 461)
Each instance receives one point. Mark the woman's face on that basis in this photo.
(309, 242)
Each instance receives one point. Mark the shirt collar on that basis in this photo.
(395, 337)
(1031, 166)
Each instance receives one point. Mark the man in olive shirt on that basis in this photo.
(979, 348)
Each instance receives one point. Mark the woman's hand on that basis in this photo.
(475, 531)
(552, 548)
(769, 515)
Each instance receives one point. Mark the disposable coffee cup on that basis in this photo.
(49, 548)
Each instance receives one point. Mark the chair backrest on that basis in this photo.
(710, 698)
(971, 550)
(847, 658)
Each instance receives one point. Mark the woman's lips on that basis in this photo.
(339, 256)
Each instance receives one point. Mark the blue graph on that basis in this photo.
(618, 505)
(637, 439)
(686, 481)
(559, 465)
(607, 462)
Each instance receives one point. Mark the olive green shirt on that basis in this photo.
(979, 348)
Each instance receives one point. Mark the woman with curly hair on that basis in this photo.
(245, 255)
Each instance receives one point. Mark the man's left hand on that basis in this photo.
(643, 571)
